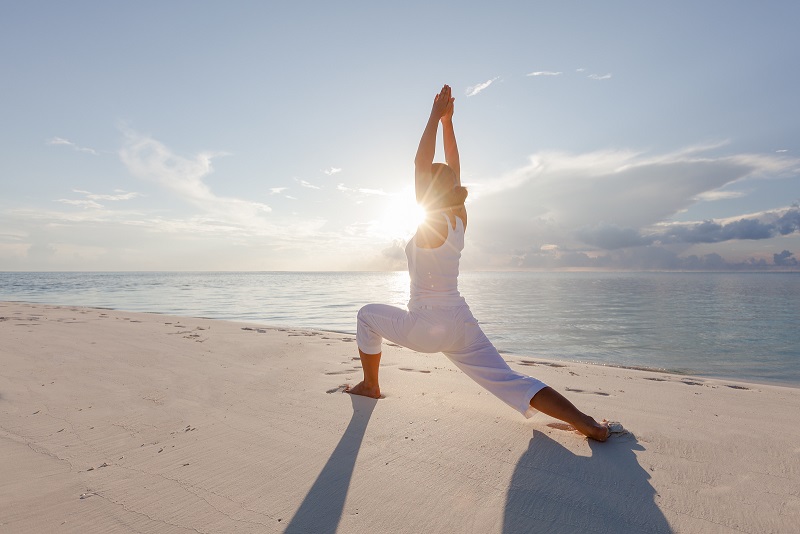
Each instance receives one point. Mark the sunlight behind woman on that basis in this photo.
(402, 216)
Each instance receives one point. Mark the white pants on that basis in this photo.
(455, 332)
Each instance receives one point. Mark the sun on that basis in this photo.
(402, 216)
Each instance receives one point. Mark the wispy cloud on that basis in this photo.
(91, 199)
(361, 190)
(475, 89)
(332, 170)
(306, 184)
(120, 195)
(85, 204)
(711, 196)
(277, 190)
(149, 159)
(544, 73)
(65, 142)
(600, 77)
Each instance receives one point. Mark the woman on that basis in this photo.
(438, 318)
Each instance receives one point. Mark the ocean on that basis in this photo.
(741, 326)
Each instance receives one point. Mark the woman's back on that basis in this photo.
(434, 271)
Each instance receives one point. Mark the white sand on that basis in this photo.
(123, 422)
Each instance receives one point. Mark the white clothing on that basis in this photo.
(434, 271)
(439, 320)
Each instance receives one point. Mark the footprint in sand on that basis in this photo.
(601, 393)
(341, 372)
(737, 387)
(655, 379)
(413, 370)
(337, 389)
(548, 364)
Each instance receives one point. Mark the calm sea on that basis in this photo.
(729, 325)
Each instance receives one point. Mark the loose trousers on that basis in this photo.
(454, 332)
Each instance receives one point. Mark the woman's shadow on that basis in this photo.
(553, 490)
(321, 510)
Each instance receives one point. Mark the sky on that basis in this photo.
(249, 136)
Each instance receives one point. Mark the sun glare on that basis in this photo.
(403, 215)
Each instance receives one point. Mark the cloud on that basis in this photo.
(277, 190)
(85, 204)
(90, 202)
(361, 190)
(648, 259)
(148, 159)
(544, 73)
(305, 184)
(711, 196)
(66, 142)
(611, 236)
(762, 226)
(121, 195)
(600, 77)
(332, 170)
(621, 187)
(785, 259)
(475, 89)
(618, 199)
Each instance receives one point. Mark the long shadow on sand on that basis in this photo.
(321, 510)
(553, 490)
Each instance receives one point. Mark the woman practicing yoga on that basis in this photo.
(438, 318)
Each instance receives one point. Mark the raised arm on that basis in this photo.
(450, 146)
(427, 144)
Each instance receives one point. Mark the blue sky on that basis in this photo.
(281, 136)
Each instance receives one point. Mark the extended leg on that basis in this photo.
(369, 387)
(552, 403)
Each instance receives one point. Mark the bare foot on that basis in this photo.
(362, 389)
(594, 430)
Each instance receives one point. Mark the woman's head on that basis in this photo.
(442, 191)
(443, 177)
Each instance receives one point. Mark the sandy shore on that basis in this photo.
(127, 422)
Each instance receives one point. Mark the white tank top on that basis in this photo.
(434, 271)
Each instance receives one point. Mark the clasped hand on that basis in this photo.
(443, 104)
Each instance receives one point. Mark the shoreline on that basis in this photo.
(116, 421)
(504, 353)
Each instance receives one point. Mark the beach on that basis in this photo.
(114, 421)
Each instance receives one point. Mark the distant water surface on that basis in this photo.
(729, 325)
